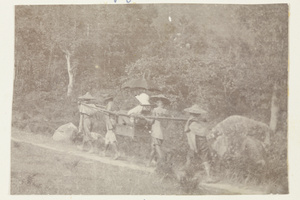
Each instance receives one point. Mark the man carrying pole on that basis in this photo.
(157, 130)
(110, 122)
(86, 110)
(196, 135)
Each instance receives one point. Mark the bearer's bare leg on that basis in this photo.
(152, 155)
(117, 153)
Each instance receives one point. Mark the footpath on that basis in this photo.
(69, 148)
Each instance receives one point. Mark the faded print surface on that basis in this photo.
(230, 60)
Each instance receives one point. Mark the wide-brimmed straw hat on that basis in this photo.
(161, 97)
(143, 99)
(195, 109)
(108, 97)
(87, 96)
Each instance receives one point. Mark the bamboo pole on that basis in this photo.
(101, 109)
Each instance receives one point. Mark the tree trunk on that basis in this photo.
(274, 109)
(71, 76)
(49, 70)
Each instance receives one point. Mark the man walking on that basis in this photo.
(196, 133)
(86, 110)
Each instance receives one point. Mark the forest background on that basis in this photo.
(230, 59)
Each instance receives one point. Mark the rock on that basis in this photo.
(241, 137)
(220, 145)
(254, 151)
(242, 126)
(65, 132)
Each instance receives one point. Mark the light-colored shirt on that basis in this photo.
(157, 129)
(198, 128)
(88, 109)
(136, 110)
(110, 123)
(193, 128)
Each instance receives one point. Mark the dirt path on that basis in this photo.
(37, 170)
(69, 149)
(75, 152)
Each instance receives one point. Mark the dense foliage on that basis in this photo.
(230, 59)
(226, 58)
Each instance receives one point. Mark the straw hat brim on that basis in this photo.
(163, 99)
(195, 110)
(87, 96)
(108, 98)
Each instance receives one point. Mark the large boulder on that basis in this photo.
(241, 137)
(65, 132)
(254, 151)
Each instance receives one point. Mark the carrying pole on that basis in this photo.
(101, 109)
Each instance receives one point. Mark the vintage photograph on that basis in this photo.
(150, 99)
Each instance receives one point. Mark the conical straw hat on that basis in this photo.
(87, 96)
(107, 97)
(195, 109)
(160, 97)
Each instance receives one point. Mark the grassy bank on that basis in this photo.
(41, 171)
(43, 112)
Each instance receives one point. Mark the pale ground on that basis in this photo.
(43, 166)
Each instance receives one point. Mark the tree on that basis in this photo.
(269, 24)
(67, 33)
(30, 53)
(221, 61)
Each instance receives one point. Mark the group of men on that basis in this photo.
(194, 128)
(87, 109)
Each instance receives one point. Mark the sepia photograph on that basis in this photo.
(150, 99)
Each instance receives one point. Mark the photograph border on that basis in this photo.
(7, 55)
